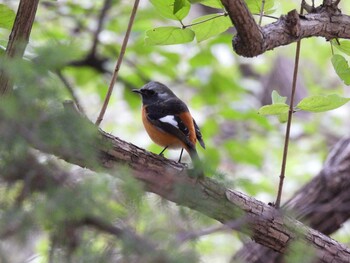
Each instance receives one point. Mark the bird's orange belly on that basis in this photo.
(161, 138)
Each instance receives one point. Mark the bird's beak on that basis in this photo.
(137, 91)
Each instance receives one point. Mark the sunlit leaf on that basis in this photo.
(210, 3)
(210, 25)
(255, 6)
(322, 103)
(172, 9)
(168, 36)
(343, 46)
(277, 98)
(7, 16)
(282, 118)
(341, 67)
(274, 109)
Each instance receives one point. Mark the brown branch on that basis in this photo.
(248, 31)
(101, 18)
(251, 40)
(19, 38)
(137, 244)
(172, 181)
(320, 203)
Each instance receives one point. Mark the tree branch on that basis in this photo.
(171, 180)
(19, 37)
(320, 203)
(251, 40)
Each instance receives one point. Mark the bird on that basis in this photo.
(168, 120)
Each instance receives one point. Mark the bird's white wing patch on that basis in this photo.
(170, 119)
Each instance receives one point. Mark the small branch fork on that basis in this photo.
(252, 40)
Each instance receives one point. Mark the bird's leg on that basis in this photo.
(161, 153)
(182, 150)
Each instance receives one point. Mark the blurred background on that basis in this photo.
(223, 91)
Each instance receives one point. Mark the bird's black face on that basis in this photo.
(154, 92)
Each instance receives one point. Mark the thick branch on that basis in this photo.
(322, 204)
(172, 181)
(250, 41)
(19, 37)
(247, 29)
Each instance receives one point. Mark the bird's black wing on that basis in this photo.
(199, 134)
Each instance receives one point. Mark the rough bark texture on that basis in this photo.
(322, 203)
(251, 40)
(248, 32)
(173, 182)
(19, 37)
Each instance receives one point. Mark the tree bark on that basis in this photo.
(19, 38)
(322, 203)
(251, 40)
(173, 182)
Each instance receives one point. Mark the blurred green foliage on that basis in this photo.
(223, 91)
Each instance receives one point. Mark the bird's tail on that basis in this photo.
(197, 170)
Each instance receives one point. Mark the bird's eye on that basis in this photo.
(150, 92)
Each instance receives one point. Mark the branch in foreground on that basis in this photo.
(322, 203)
(324, 22)
(19, 37)
(171, 181)
(43, 177)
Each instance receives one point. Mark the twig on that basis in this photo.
(71, 91)
(229, 226)
(261, 11)
(206, 20)
(140, 245)
(119, 62)
(289, 123)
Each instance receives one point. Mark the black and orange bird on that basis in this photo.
(168, 121)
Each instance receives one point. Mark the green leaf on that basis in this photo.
(282, 118)
(322, 103)
(255, 6)
(178, 5)
(172, 9)
(210, 25)
(341, 68)
(343, 46)
(274, 109)
(210, 3)
(7, 17)
(168, 36)
(277, 98)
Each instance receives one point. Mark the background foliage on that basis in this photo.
(224, 92)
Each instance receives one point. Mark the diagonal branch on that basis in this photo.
(171, 180)
(251, 40)
(320, 203)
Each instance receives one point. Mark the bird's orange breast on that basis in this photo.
(160, 137)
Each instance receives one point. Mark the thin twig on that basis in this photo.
(205, 20)
(119, 62)
(229, 226)
(289, 123)
(261, 11)
(70, 90)
(268, 16)
(101, 18)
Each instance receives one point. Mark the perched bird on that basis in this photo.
(167, 119)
